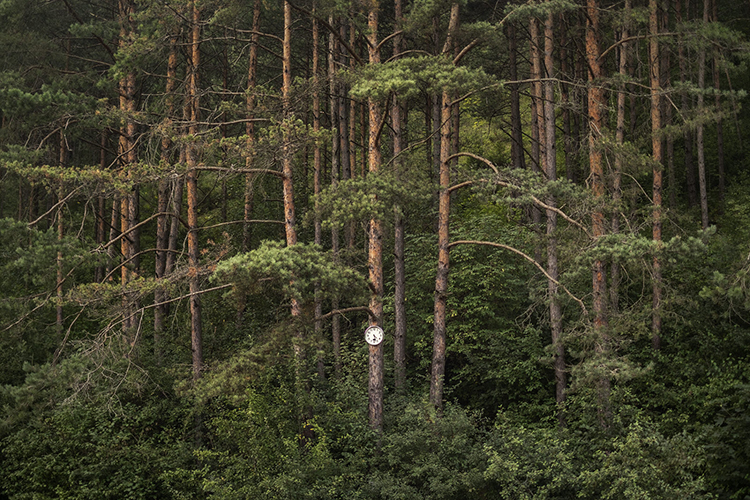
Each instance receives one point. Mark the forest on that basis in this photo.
(210, 211)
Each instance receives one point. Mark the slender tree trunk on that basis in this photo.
(441, 281)
(537, 118)
(192, 193)
(555, 311)
(113, 225)
(719, 121)
(565, 99)
(127, 159)
(250, 128)
(60, 235)
(375, 250)
(399, 295)
(688, 139)
(317, 185)
(596, 107)
(614, 289)
(699, 128)
(667, 141)
(516, 145)
(333, 51)
(290, 223)
(101, 222)
(162, 226)
(656, 145)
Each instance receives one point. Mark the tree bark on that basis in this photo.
(437, 375)
(399, 295)
(719, 121)
(656, 146)
(247, 230)
(375, 249)
(596, 107)
(128, 158)
(333, 51)
(623, 65)
(192, 103)
(699, 127)
(566, 104)
(516, 145)
(555, 311)
(688, 138)
(537, 119)
(164, 191)
(317, 184)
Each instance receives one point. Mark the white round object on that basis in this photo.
(374, 335)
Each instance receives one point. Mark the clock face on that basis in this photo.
(374, 335)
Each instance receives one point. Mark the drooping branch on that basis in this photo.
(536, 200)
(525, 256)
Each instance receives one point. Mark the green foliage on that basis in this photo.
(59, 445)
(295, 270)
(372, 197)
(410, 76)
(527, 463)
(645, 464)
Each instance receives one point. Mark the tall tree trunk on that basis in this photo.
(623, 63)
(128, 160)
(566, 103)
(375, 250)
(113, 225)
(333, 51)
(516, 145)
(290, 223)
(596, 108)
(537, 118)
(101, 222)
(667, 143)
(250, 128)
(164, 191)
(437, 375)
(399, 294)
(688, 139)
(699, 128)
(719, 121)
(656, 145)
(60, 235)
(555, 311)
(317, 185)
(192, 193)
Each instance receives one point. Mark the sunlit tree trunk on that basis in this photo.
(192, 103)
(441, 281)
(375, 250)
